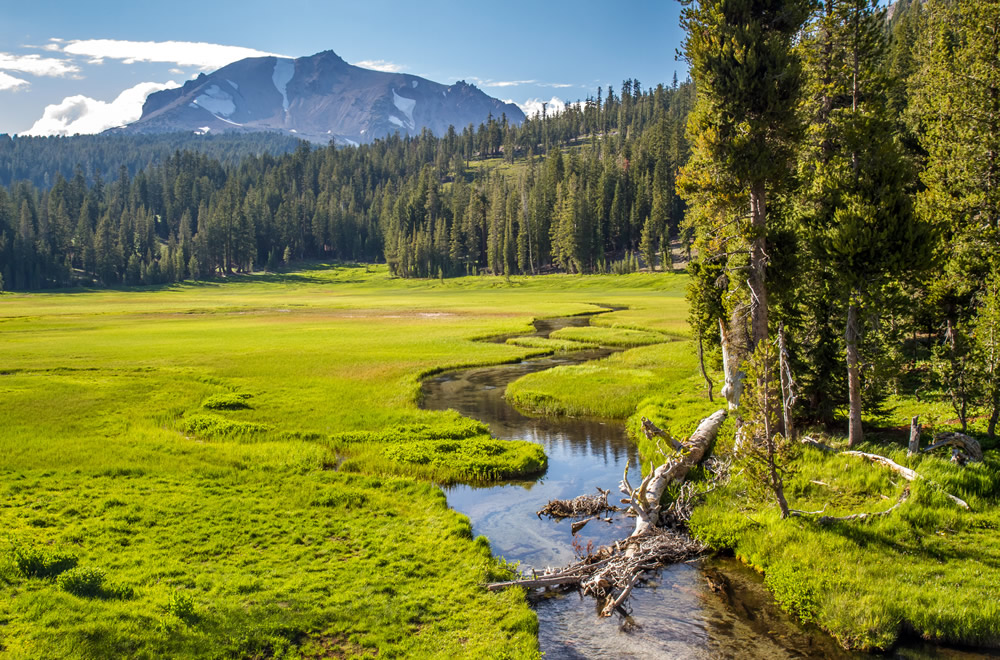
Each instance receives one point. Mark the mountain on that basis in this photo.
(316, 98)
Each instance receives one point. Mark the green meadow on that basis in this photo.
(241, 468)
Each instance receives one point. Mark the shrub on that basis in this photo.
(80, 581)
(181, 605)
(214, 425)
(37, 563)
(227, 401)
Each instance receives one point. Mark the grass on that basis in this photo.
(240, 469)
(928, 570)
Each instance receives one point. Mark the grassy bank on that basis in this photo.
(240, 468)
(928, 570)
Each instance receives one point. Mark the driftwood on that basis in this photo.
(644, 501)
(611, 572)
(583, 505)
(967, 448)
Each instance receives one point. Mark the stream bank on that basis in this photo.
(675, 614)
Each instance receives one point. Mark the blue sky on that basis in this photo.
(74, 66)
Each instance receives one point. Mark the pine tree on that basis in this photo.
(857, 215)
(954, 103)
(744, 123)
(647, 243)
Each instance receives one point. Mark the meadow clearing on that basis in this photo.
(240, 468)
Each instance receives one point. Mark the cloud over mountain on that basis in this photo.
(82, 114)
(205, 56)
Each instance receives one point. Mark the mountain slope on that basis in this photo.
(318, 98)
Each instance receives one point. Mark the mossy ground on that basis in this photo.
(244, 467)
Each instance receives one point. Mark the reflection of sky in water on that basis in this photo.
(674, 615)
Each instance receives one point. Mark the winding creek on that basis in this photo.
(674, 615)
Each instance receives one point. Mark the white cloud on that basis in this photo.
(509, 83)
(380, 65)
(182, 53)
(37, 65)
(82, 114)
(10, 82)
(533, 107)
(556, 85)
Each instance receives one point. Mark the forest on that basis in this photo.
(856, 198)
(590, 185)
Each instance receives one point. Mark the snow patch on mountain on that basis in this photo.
(284, 70)
(216, 101)
(393, 119)
(405, 106)
(235, 86)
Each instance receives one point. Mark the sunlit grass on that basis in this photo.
(245, 460)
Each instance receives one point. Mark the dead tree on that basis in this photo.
(964, 448)
(611, 572)
(914, 446)
(644, 501)
(733, 388)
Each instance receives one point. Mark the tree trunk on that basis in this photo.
(758, 264)
(787, 385)
(646, 498)
(992, 428)
(854, 434)
(914, 436)
(777, 482)
(701, 365)
(733, 388)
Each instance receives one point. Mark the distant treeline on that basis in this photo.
(40, 160)
(575, 190)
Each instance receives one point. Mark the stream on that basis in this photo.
(673, 615)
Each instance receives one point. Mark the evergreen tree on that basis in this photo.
(854, 202)
(744, 124)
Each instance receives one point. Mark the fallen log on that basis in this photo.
(905, 472)
(905, 495)
(644, 501)
(611, 572)
(806, 440)
(969, 446)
